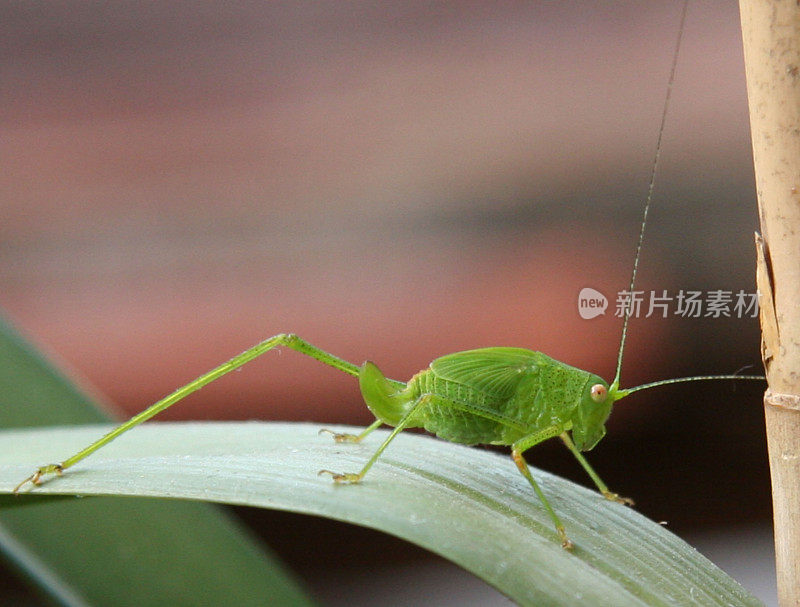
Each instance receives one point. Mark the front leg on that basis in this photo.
(601, 486)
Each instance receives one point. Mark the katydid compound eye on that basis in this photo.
(598, 393)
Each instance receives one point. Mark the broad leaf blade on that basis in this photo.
(112, 551)
(468, 505)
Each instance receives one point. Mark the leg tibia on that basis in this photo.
(523, 468)
(601, 486)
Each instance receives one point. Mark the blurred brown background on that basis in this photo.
(393, 182)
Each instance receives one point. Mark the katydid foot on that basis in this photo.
(566, 543)
(36, 477)
(614, 497)
(342, 438)
(346, 478)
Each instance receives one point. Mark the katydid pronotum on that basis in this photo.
(501, 396)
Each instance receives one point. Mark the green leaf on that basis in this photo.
(469, 505)
(119, 552)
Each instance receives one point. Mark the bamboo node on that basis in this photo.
(782, 401)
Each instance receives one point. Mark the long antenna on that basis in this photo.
(650, 189)
(680, 380)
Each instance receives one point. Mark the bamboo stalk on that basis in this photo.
(771, 35)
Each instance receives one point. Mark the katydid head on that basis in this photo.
(593, 411)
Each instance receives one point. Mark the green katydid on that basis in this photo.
(499, 396)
